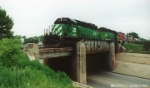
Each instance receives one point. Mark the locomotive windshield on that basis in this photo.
(74, 21)
(64, 21)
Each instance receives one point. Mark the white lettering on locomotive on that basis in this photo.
(94, 33)
(74, 30)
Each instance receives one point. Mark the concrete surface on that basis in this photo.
(134, 58)
(134, 69)
(31, 56)
(81, 62)
(32, 50)
(80, 85)
(133, 64)
(122, 49)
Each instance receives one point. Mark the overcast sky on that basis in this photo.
(31, 17)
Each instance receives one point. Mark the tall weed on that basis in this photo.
(135, 48)
(17, 71)
(146, 45)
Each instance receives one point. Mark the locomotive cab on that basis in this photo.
(64, 27)
(61, 33)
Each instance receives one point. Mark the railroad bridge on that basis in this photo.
(74, 60)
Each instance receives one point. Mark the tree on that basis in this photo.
(24, 37)
(35, 39)
(6, 24)
(17, 36)
(31, 40)
(133, 34)
(41, 38)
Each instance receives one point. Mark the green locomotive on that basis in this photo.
(66, 32)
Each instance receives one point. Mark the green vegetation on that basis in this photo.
(17, 71)
(146, 45)
(34, 39)
(6, 24)
(133, 34)
(135, 48)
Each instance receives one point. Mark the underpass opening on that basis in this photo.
(62, 64)
(97, 62)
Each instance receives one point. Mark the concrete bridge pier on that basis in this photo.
(110, 57)
(79, 63)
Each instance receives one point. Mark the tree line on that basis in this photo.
(25, 40)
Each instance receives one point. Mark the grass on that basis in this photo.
(135, 48)
(17, 71)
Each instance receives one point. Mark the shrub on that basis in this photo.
(146, 45)
(9, 52)
(17, 71)
(135, 48)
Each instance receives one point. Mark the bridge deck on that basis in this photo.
(54, 52)
(91, 47)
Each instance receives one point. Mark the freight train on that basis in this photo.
(130, 39)
(66, 32)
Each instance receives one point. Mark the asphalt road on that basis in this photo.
(104, 79)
